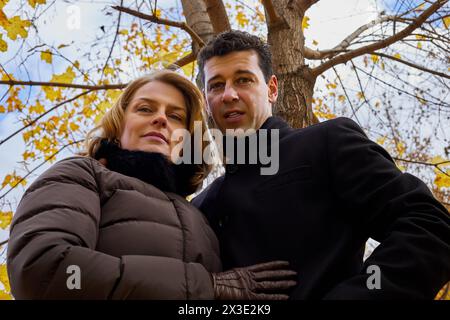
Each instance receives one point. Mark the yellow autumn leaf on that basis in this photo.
(4, 278)
(401, 148)
(3, 44)
(109, 70)
(17, 27)
(374, 58)
(360, 96)
(113, 95)
(6, 180)
(446, 21)
(341, 98)
(315, 43)
(74, 126)
(28, 154)
(38, 108)
(331, 86)
(305, 23)
(46, 56)
(33, 3)
(420, 8)
(5, 295)
(419, 45)
(420, 37)
(2, 109)
(397, 55)
(381, 140)
(5, 219)
(241, 19)
(66, 77)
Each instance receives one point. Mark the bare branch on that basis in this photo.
(4, 242)
(413, 65)
(113, 43)
(380, 44)
(155, 19)
(348, 40)
(218, 15)
(63, 85)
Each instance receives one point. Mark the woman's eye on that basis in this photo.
(144, 109)
(176, 117)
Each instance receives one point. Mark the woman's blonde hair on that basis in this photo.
(111, 125)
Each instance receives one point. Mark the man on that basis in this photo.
(334, 189)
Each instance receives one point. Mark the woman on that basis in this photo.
(114, 224)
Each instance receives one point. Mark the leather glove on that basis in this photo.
(265, 281)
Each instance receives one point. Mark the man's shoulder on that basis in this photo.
(330, 127)
(208, 191)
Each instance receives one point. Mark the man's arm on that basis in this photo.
(394, 208)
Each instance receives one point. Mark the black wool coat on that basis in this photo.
(335, 188)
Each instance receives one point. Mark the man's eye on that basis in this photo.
(244, 80)
(215, 86)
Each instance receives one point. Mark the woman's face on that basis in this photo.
(154, 112)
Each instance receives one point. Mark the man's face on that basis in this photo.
(236, 93)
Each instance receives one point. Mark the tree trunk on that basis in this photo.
(198, 19)
(296, 83)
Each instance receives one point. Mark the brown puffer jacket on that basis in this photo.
(129, 239)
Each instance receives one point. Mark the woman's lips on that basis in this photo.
(155, 137)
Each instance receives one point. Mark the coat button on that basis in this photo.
(232, 168)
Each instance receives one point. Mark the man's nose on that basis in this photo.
(229, 94)
(160, 119)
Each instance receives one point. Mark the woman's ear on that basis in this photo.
(273, 89)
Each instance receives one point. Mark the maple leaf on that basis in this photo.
(46, 56)
(305, 23)
(5, 219)
(3, 44)
(33, 3)
(17, 27)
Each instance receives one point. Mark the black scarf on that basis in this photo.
(151, 167)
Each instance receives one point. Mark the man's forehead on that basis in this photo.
(231, 63)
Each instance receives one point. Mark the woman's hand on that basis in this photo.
(263, 281)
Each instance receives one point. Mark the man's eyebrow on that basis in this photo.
(240, 71)
(152, 101)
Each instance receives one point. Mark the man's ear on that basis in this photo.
(273, 89)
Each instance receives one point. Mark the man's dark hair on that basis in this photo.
(232, 41)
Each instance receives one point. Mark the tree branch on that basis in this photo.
(155, 19)
(113, 43)
(273, 18)
(437, 73)
(63, 85)
(42, 115)
(182, 62)
(217, 15)
(380, 44)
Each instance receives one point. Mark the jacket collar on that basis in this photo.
(150, 167)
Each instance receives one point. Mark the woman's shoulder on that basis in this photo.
(75, 169)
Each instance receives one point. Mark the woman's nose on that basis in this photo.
(229, 94)
(160, 119)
